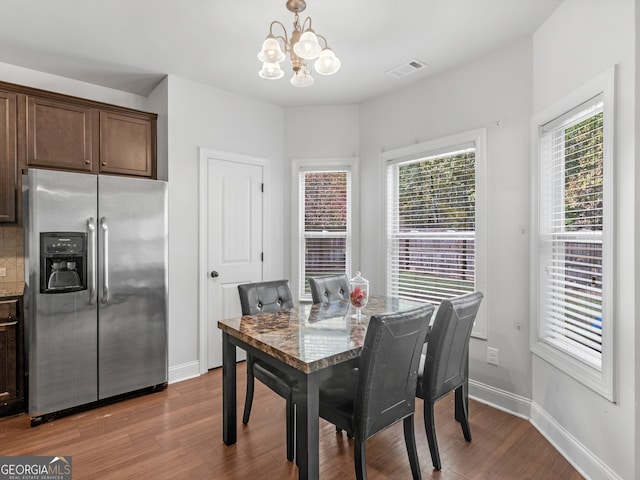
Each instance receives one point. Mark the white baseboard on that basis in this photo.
(184, 371)
(500, 399)
(585, 462)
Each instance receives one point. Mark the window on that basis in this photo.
(432, 217)
(324, 196)
(573, 217)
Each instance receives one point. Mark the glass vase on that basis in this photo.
(359, 294)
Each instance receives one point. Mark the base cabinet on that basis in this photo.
(11, 357)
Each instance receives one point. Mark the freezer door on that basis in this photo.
(61, 328)
(132, 284)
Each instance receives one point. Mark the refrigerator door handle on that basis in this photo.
(105, 256)
(91, 250)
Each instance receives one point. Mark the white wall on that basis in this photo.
(493, 92)
(321, 132)
(157, 103)
(636, 223)
(581, 39)
(202, 116)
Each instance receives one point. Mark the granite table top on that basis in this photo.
(312, 337)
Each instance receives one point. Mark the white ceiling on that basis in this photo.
(131, 45)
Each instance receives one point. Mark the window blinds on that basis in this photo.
(325, 198)
(431, 226)
(571, 227)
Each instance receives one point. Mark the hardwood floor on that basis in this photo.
(177, 434)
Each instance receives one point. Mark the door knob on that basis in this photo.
(214, 274)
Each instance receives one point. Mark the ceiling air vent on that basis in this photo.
(405, 69)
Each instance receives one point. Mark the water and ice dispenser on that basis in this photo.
(63, 262)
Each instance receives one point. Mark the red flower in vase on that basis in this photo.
(358, 297)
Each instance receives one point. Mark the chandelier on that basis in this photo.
(302, 47)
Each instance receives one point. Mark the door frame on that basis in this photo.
(203, 226)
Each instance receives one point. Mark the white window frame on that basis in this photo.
(297, 222)
(602, 380)
(477, 139)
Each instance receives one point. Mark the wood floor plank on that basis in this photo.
(177, 433)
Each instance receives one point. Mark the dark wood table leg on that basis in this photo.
(307, 428)
(229, 426)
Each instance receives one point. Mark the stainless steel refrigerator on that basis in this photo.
(96, 288)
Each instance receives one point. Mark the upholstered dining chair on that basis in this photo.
(329, 288)
(444, 367)
(265, 297)
(381, 390)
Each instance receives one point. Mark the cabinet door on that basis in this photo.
(8, 351)
(59, 135)
(127, 144)
(8, 157)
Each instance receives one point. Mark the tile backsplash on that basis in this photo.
(12, 255)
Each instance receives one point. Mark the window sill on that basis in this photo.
(599, 382)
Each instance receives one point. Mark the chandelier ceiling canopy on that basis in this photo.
(302, 47)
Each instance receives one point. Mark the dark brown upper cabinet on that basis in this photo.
(8, 157)
(44, 129)
(126, 144)
(59, 135)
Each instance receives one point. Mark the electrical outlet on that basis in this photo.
(492, 356)
(3, 272)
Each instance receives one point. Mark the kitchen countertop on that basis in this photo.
(12, 289)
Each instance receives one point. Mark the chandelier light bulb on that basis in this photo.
(271, 71)
(271, 51)
(327, 63)
(307, 47)
(301, 79)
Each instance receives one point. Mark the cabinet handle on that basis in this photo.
(8, 324)
(104, 164)
(87, 161)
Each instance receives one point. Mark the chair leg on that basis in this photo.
(249, 398)
(460, 408)
(462, 412)
(360, 457)
(462, 402)
(290, 428)
(430, 427)
(349, 434)
(410, 441)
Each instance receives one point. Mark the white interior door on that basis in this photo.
(234, 250)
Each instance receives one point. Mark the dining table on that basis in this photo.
(306, 342)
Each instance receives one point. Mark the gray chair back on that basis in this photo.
(388, 367)
(265, 297)
(329, 288)
(446, 362)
